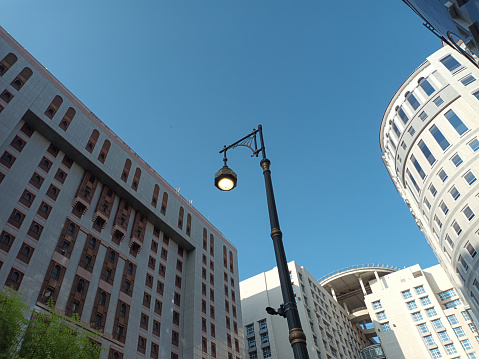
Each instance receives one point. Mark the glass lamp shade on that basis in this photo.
(225, 179)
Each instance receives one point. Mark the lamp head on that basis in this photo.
(225, 179)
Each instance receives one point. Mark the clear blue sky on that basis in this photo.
(177, 80)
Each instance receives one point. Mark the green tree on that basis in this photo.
(12, 322)
(49, 335)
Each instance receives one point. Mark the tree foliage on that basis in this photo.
(48, 335)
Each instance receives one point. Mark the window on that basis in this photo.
(438, 101)
(417, 316)
(418, 167)
(443, 336)
(431, 312)
(435, 353)
(406, 294)
(456, 122)
(459, 332)
(466, 344)
(433, 190)
(456, 160)
(412, 100)
(468, 213)
(249, 329)
(426, 86)
(470, 178)
(251, 343)
(420, 290)
(403, 116)
(429, 340)
(396, 129)
(411, 305)
(437, 324)
(377, 305)
(264, 338)
(423, 116)
(471, 249)
(454, 193)
(466, 316)
(386, 327)
(469, 79)
(439, 137)
(450, 348)
(474, 144)
(438, 221)
(472, 328)
(426, 202)
(456, 228)
(450, 63)
(381, 316)
(427, 153)
(442, 175)
(413, 181)
(453, 304)
(262, 324)
(425, 301)
(267, 352)
(422, 328)
(443, 207)
(452, 319)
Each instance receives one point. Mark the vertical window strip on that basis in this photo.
(456, 122)
(439, 137)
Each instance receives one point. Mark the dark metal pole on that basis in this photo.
(297, 338)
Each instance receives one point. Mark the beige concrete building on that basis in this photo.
(430, 139)
(87, 223)
(418, 314)
(329, 332)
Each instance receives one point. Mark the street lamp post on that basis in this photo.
(225, 180)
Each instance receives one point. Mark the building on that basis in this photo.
(455, 22)
(329, 331)
(418, 314)
(84, 221)
(429, 139)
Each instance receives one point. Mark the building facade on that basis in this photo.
(85, 222)
(429, 137)
(418, 314)
(454, 21)
(329, 332)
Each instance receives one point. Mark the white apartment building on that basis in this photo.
(430, 139)
(329, 332)
(418, 314)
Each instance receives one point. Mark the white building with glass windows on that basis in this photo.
(417, 313)
(430, 139)
(329, 332)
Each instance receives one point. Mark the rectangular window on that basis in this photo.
(449, 241)
(403, 116)
(466, 344)
(456, 122)
(427, 87)
(412, 101)
(439, 137)
(423, 116)
(459, 332)
(443, 207)
(457, 160)
(438, 101)
(411, 305)
(471, 249)
(450, 348)
(448, 294)
(442, 175)
(429, 341)
(413, 182)
(427, 153)
(472, 328)
(457, 228)
(433, 190)
(425, 301)
(454, 193)
(470, 178)
(464, 263)
(466, 316)
(377, 305)
(435, 353)
(417, 316)
(426, 202)
(404, 146)
(386, 327)
(450, 63)
(420, 290)
(474, 144)
(438, 221)
(469, 79)
(431, 312)
(406, 294)
(411, 131)
(381, 316)
(396, 129)
(454, 303)
(468, 213)
(422, 328)
(443, 336)
(418, 167)
(452, 319)
(437, 324)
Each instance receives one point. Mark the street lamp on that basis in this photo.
(225, 180)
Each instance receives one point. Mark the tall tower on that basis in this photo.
(430, 139)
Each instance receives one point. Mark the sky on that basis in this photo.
(178, 79)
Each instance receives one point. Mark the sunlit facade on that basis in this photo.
(85, 222)
(430, 139)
